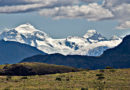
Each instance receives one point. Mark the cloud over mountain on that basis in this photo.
(124, 25)
(90, 12)
(89, 9)
(120, 10)
(13, 6)
(89, 1)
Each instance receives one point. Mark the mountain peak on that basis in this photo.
(25, 33)
(94, 35)
(90, 33)
(28, 34)
(25, 28)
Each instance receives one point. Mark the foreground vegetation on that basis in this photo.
(108, 79)
(25, 69)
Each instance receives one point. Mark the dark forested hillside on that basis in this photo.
(13, 52)
(118, 57)
(24, 69)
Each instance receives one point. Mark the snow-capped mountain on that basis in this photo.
(115, 38)
(25, 33)
(91, 44)
(94, 36)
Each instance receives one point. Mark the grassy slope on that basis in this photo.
(118, 79)
(23, 69)
(1, 66)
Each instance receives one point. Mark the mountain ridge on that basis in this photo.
(13, 52)
(90, 43)
(118, 57)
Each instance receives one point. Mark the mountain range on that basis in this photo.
(91, 44)
(118, 57)
(13, 52)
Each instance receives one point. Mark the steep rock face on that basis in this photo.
(13, 52)
(94, 36)
(122, 49)
(118, 57)
(91, 44)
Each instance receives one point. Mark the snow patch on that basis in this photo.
(91, 44)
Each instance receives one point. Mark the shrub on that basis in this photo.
(108, 67)
(16, 80)
(100, 77)
(67, 79)
(99, 74)
(101, 70)
(58, 79)
(87, 69)
(84, 88)
(8, 78)
(24, 77)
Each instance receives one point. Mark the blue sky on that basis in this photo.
(60, 25)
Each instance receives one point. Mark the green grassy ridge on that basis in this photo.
(114, 79)
(24, 69)
(1, 66)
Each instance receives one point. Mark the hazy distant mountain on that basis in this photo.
(13, 52)
(91, 44)
(118, 57)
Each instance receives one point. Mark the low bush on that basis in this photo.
(101, 77)
(108, 67)
(84, 89)
(102, 70)
(25, 77)
(99, 74)
(67, 79)
(8, 78)
(58, 79)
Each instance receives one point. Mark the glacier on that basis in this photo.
(91, 44)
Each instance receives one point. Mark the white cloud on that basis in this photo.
(90, 12)
(124, 25)
(18, 6)
(89, 1)
(110, 10)
(114, 3)
(120, 10)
